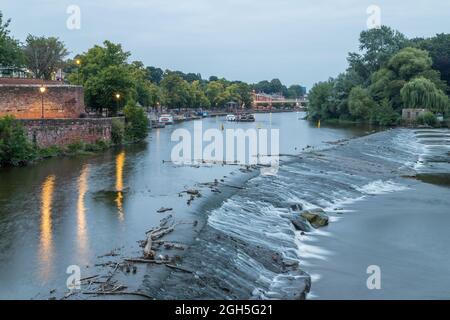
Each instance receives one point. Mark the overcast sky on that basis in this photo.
(297, 41)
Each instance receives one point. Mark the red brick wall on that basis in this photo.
(62, 132)
(24, 101)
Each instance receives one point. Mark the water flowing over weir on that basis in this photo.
(249, 249)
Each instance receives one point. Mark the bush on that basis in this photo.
(99, 145)
(427, 118)
(117, 131)
(74, 147)
(15, 149)
(49, 152)
(136, 128)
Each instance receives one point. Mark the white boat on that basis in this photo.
(166, 119)
(231, 117)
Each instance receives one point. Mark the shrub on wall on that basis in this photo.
(15, 149)
(117, 131)
(427, 118)
(136, 127)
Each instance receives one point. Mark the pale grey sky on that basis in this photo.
(251, 40)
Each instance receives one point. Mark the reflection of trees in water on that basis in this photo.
(115, 197)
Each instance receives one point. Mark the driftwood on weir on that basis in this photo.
(156, 234)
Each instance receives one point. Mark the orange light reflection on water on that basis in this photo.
(120, 162)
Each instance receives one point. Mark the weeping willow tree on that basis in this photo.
(423, 93)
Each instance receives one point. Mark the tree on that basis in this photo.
(422, 93)
(15, 149)
(44, 55)
(360, 103)
(155, 75)
(376, 45)
(136, 127)
(101, 89)
(439, 50)
(215, 93)
(239, 92)
(155, 95)
(198, 98)
(405, 65)
(410, 62)
(296, 91)
(175, 90)
(321, 104)
(11, 54)
(104, 72)
(142, 84)
(384, 114)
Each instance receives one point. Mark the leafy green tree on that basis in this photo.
(142, 84)
(15, 149)
(409, 63)
(342, 86)
(296, 91)
(239, 92)
(321, 104)
(215, 93)
(376, 45)
(175, 90)
(360, 103)
(198, 98)
(44, 55)
(154, 74)
(439, 49)
(136, 127)
(155, 95)
(384, 114)
(104, 73)
(405, 65)
(101, 89)
(427, 118)
(11, 54)
(422, 93)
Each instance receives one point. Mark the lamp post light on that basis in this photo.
(117, 95)
(42, 90)
(78, 64)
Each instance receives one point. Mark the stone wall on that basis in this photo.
(62, 132)
(22, 99)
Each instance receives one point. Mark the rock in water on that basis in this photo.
(317, 217)
(300, 223)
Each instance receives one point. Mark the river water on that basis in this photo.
(73, 211)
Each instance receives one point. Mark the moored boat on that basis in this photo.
(166, 119)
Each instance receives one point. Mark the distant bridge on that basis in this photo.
(261, 99)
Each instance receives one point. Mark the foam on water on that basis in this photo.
(251, 240)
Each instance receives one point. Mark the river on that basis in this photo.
(76, 210)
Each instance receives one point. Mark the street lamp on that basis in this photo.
(42, 90)
(117, 95)
(78, 64)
